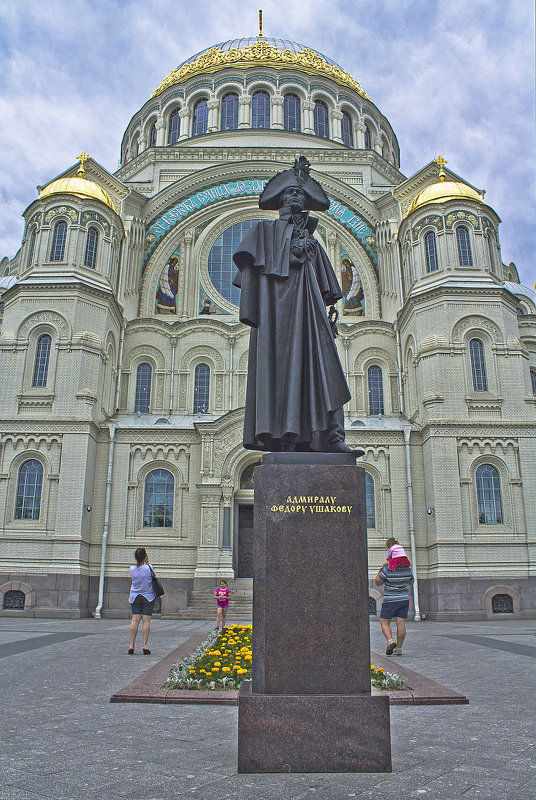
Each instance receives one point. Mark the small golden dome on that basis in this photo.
(80, 187)
(444, 190)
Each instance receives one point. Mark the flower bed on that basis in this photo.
(223, 661)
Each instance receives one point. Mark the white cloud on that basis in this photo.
(454, 77)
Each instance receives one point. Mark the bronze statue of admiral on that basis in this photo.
(296, 388)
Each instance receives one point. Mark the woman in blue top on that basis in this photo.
(141, 599)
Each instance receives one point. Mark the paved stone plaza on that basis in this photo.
(64, 739)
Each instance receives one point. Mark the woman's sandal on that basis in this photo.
(131, 651)
(146, 651)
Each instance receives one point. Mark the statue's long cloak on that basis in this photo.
(295, 378)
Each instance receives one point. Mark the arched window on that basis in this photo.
(174, 127)
(431, 252)
(29, 485)
(369, 501)
(31, 247)
(375, 390)
(464, 246)
(152, 134)
(291, 113)
(42, 356)
(368, 138)
(478, 365)
(385, 150)
(229, 112)
(58, 241)
(533, 381)
(142, 398)
(158, 499)
(200, 122)
(321, 121)
(92, 240)
(488, 493)
(347, 129)
(260, 110)
(201, 388)
(221, 266)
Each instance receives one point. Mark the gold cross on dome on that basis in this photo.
(260, 33)
(83, 157)
(440, 161)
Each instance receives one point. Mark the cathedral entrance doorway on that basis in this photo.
(244, 555)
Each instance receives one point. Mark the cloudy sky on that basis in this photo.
(454, 77)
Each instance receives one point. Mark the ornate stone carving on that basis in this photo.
(260, 54)
(475, 321)
(41, 318)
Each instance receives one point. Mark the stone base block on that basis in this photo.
(312, 733)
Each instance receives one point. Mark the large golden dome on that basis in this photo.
(444, 190)
(262, 51)
(80, 187)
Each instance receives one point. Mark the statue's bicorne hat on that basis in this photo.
(316, 198)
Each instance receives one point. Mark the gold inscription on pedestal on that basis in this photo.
(312, 504)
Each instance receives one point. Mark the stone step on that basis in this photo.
(201, 603)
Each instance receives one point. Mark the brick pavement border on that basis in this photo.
(147, 688)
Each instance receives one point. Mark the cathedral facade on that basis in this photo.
(123, 364)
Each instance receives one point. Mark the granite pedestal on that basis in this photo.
(309, 708)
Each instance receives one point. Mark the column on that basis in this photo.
(277, 112)
(184, 115)
(213, 106)
(360, 135)
(142, 142)
(336, 129)
(160, 132)
(244, 111)
(186, 278)
(208, 552)
(308, 119)
(377, 144)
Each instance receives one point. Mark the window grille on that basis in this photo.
(502, 604)
(375, 390)
(478, 366)
(221, 266)
(431, 252)
(158, 499)
(201, 389)
(153, 133)
(291, 113)
(320, 118)
(59, 237)
(14, 600)
(368, 138)
(465, 257)
(229, 112)
(90, 256)
(31, 247)
(347, 129)
(29, 485)
(42, 357)
(488, 492)
(260, 110)
(174, 127)
(533, 381)
(200, 123)
(142, 397)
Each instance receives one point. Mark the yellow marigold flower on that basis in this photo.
(226, 669)
(217, 663)
(248, 658)
(215, 669)
(372, 666)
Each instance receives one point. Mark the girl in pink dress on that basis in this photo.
(221, 595)
(396, 555)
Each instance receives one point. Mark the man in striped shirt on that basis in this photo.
(395, 604)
